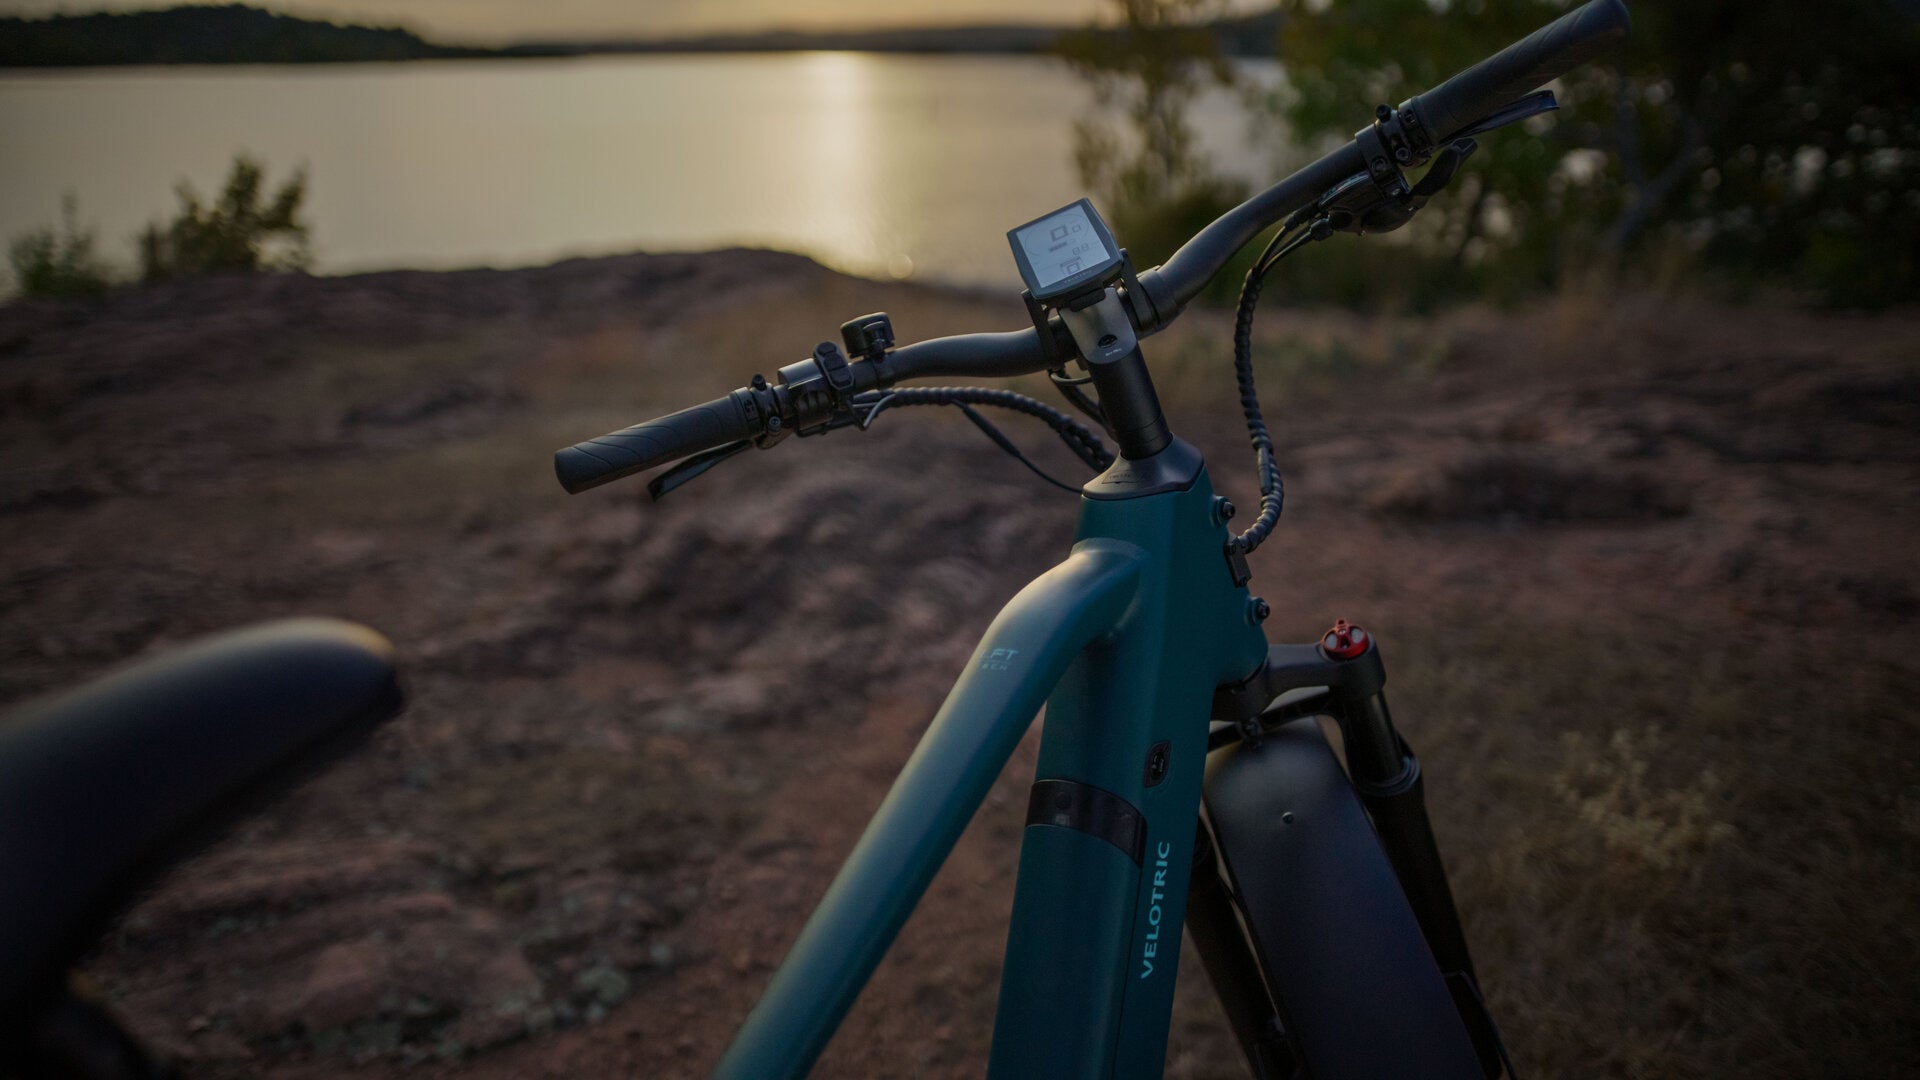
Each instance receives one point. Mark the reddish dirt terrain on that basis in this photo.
(1643, 571)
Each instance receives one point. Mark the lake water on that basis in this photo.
(878, 164)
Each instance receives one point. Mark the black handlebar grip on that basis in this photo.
(656, 442)
(1521, 68)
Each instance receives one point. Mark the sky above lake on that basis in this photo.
(518, 20)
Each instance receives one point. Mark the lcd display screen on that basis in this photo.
(1061, 245)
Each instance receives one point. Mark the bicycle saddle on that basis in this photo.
(103, 786)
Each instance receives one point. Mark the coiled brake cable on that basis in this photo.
(1273, 492)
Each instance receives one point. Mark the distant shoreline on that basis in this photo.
(237, 34)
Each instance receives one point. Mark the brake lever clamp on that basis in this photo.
(1396, 140)
(760, 401)
(1376, 200)
(1367, 203)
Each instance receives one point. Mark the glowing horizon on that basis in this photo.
(504, 21)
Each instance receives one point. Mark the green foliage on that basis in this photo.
(1139, 156)
(1765, 142)
(1146, 175)
(237, 234)
(1776, 140)
(49, 262)
(1382, 274)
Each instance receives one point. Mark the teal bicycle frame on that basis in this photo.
(1126, 642)
(1318, 901)
(1321, 906)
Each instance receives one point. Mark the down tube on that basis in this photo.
(1030, 644)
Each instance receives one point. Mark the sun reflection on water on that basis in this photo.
(884, 165)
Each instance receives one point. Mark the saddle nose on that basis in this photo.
(102, 787)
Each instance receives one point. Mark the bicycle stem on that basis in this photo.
(1104, 333)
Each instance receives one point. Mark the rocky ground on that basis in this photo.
(1643, 570)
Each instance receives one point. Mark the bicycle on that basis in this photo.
(1314, 893)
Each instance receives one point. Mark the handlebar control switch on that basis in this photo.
(817, 392)
(833, 367)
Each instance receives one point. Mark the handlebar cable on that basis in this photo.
(1356, 187)
(1070, 389)
(986, 427)
(1273, 492)
(1085, 444)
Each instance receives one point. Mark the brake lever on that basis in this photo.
(1440, 174)
(691, 467)
(1358, 204)
(1540, 101)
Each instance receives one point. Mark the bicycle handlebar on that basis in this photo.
(1432, 119)
(744, 413)
(1526, 65)
(986, 356)
(1441, 113)
(1199, 259)
(638, 448)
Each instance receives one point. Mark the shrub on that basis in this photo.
(1772, 138)
(47, 262)
(237, 234)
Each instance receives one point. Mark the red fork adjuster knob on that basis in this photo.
(1345, 641)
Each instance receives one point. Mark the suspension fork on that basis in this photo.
(1231, 967)
(1347, 677)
